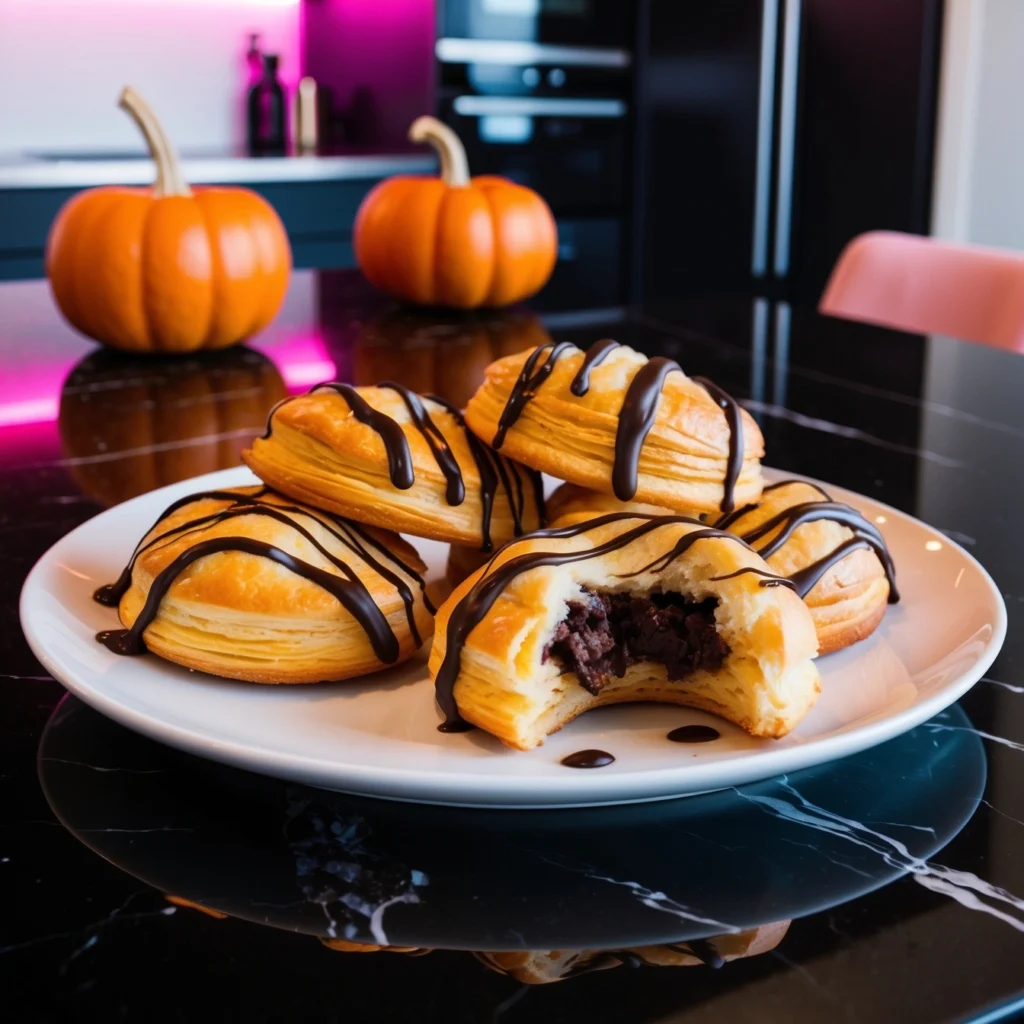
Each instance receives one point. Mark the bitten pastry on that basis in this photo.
(246, 584)
(836, 559)
(614, 421)
(389, 457)
(543, 967)
(626, 607)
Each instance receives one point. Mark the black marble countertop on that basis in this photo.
(140, 883)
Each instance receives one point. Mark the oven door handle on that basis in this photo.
(500, 51)
(537, 106)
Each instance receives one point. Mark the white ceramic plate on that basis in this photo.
(379, 737)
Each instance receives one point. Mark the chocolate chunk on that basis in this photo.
(601, 637)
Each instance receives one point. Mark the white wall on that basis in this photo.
(979, 172)
(63, 63)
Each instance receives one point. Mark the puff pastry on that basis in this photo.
(625, 607)
(616, 422)
(389, 457)
(246, 584)
(543, 967)
(837, 560)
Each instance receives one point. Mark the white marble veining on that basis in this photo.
(963, 886)
(851, 433)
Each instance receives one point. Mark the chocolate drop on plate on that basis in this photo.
(694, 734)
(457, 726)
(588, 759)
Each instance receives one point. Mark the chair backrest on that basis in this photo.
(929, 286)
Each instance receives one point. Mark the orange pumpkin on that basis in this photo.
(454, 240)
(441, 355)
(130, 424)
(169, 268)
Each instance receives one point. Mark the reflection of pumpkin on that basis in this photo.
(129, 424)
(167, 269)
(444, 356)
(454, 240)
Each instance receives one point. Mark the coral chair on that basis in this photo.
(929, 286)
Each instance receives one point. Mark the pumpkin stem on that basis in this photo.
(449, 148)
(169, 179)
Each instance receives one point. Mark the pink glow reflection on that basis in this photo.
(31, 410)
(303, 360)
(34, 396)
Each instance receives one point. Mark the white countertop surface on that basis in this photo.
(27, 171)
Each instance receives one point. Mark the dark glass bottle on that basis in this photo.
(267, 128)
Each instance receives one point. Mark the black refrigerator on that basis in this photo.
(768, 133)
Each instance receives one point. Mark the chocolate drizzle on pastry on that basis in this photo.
(865, 535)
(475, 605)
(531, 377)
(596, 355)
(456, 489)
(770, 579)
(390, 432)
(350, 592)
(637, 416)
(734, 419)
(110, 594)
(492, 467)
(639, 409)
(347, 588)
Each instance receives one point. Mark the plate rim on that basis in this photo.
(414, 785)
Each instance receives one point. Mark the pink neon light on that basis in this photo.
(32, 410)
(305, 375)
(159, 3)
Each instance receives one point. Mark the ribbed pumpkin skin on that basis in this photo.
(168, 274)
(490, 242)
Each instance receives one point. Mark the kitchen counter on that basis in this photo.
(70, 171)
(140, 883)
(316, 196)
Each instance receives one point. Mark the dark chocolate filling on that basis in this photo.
(601, 637)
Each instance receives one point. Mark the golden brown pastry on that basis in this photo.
(543, 967)
(570, 504)
(616, 422)
(625, 607)
(836, 559)
(389, 457)
(246, 584)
